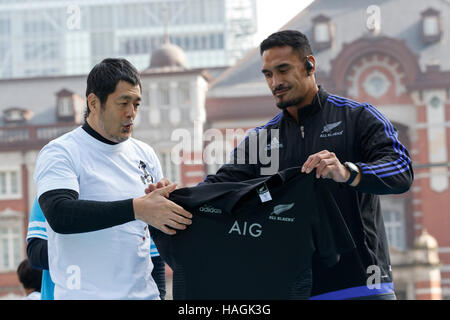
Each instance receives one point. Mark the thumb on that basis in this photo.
(166, 190)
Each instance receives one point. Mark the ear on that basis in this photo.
(312, 62)
(93, 102)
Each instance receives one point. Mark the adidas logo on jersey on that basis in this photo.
(278, 209)
(274, 144)
(209, 209)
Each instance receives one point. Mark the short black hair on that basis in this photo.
(103, 79)
(29, 277)
(293, 38)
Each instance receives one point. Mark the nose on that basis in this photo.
(131, 111)
(277, 81)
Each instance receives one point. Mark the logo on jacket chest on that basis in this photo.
(332, 130)
(146, 177)
(274, 144)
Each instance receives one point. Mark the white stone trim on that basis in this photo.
(417, 214)
(191, 174)
(429, 291)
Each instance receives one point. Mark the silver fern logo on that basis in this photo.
(326, 132)
(278, 210)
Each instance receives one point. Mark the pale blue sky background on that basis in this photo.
(273, 14)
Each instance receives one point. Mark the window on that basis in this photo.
(65, 107)
(37, 27)
(170, 169)
(41, 50)
(10, 245)
(4, 26)
(322, 32)
(184, 98)
(163, 95)
(431, 26)
(14, 115)
(376, 84)
(435, 102)
(394, 222)
(10, 184)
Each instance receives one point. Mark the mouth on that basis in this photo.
(128, 127)
(280, 92)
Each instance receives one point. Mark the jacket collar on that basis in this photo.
(315, 106)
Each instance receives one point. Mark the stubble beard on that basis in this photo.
(112, 137)
(289, 103)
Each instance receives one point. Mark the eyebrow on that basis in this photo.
(127, 97)
(283, 65)
(280, 66)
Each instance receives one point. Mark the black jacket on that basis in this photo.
(355, 132)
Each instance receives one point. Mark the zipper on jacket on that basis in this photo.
(303, 154)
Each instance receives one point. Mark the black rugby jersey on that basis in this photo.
(253, 239)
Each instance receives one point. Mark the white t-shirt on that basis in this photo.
(35, 295)
(112, 263)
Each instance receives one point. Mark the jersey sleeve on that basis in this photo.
(55, 169)
(386, 167)
(330, 233)
(36, 224)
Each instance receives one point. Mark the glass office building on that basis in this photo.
(54, 37)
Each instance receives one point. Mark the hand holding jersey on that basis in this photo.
(328, 166)
(320, 130)
(89, 188)
(160, 184)
(155, 209)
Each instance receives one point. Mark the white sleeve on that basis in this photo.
(55, 169)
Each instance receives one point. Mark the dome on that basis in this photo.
(168, 55)
(425, 241)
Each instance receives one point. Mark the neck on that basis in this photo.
(90, 129)
(28, 291)
(309, 97)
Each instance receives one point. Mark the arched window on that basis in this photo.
(431, 26)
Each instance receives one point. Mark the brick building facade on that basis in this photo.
(398, 65)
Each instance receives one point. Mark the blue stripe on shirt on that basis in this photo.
(399, 165)
(356, 292)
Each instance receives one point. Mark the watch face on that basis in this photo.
(352, 166)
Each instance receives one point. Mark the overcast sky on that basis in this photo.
(273, 14)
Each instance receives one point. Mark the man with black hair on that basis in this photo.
(350, 144)
(30, 279)
(90, 186)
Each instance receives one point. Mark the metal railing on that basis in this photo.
(25, 137)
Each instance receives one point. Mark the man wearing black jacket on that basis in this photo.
(350, 144)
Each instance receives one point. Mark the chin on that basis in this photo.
(289, 103)
(123, 138)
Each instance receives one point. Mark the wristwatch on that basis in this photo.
(354, 170)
